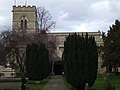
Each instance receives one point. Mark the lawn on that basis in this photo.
(39, 86)
(116, 81)
(100, 83)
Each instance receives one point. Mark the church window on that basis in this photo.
(24, 24)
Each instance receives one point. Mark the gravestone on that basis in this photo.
(86, 86)
(7, 72)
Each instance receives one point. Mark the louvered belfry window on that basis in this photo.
(24, 24)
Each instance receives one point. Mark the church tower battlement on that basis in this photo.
(24, 18)
(24, 8)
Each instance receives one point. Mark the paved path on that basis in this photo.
(56, 83)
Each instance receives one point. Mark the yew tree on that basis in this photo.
(111, 48)
(80, 59)
(37, 61)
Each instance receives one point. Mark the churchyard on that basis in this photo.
(32, 58)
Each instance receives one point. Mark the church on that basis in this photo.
(25, 17)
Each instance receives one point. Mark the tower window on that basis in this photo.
(23, 24)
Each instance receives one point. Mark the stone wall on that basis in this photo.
(10, 83)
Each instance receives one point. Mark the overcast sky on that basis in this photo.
(70, 15)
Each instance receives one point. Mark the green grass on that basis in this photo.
(39, 86)
(100, 83)
(115, 81)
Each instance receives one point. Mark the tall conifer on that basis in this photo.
(37, 61)
(80, 60)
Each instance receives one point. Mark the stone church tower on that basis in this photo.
(24, 18)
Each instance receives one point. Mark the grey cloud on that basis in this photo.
(71, 15)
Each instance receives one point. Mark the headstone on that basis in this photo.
(86, 86)
(7, 72)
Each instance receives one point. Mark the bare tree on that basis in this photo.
(2, 55)
(14, 47)
(50, 42)
(44, 25)
(44, 20)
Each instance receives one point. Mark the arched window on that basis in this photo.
(24, 24)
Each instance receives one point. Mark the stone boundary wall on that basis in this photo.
(10, 83)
